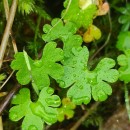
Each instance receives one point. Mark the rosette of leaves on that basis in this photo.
(65, 32)
(124, 62)
(35, 114)
(123, 41)
(38, 71)
(66, 111)
(83, 83)
(82, 17)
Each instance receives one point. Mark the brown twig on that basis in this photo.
(107, 40)
(6, 101)
(6, 36)
(6, 8)
(78, 123)
(6, 80)
(8, 97)
(7, 30)
(13, 42)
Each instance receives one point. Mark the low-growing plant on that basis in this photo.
(63, 64)
(67, 66)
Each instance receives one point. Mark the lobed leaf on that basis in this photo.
(123, 41)
(40, 69)
(104, 74)
(125, 17)
(35, 114)
(46, 106)
(58, 30)
(81, 17)
(124, 70)
(64, 32)
(82, 82)
(66, 110)
(32, 122)
(22, 109)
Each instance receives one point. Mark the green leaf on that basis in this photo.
(35, 114)
(64, 32)
(66, 110)
(124, 70)
(32, 122)
(104, 74)
(46, 106)
(123, 19)
(84, 83)
(21, 101)
(123, 41)
(125, 27)
(2, 77)
(81, 17)
(22, 108)
(40, 69)
(58, 30)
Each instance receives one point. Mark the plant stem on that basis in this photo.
(127, 102)
(1, 124)
(36, 34)
(83, 118)
(6, 8)
(8, 97)
(107, 40)
(6, 80)
(7, 30)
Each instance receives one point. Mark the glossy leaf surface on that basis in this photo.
(22, 109)
(66, 33)
(123, 41)
(124, 70)
(39, 69)
(46, 106)
(83, 17)
(84, 83)
(35, 114)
